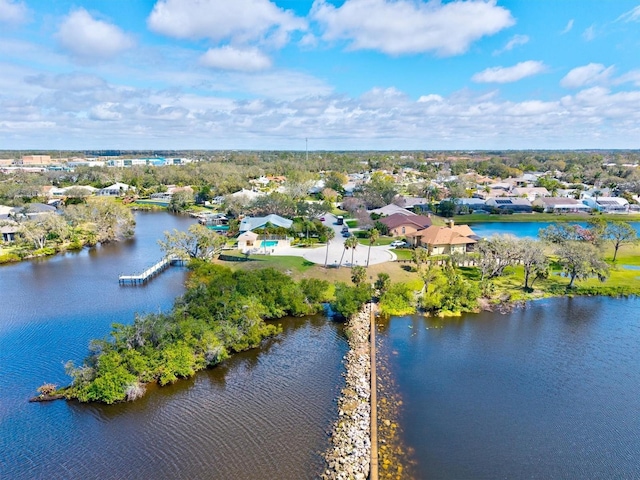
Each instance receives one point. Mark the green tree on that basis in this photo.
(447, 208)
(198, 242)
(349, 300)
(534, 261)
(358, 275)
(581, 260)
(330, 234)
(496, 254)
(383, 282)
(419, 256)
(373, 238)
(181, 201)
(620, 233)
(398, 300)
(351, 243)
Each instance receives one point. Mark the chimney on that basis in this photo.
(450, 223)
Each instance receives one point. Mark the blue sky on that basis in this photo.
(348, 75)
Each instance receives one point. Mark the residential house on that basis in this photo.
(470, 204)
(390, 209)
(114, 190)
(412, 203)
(246, 196)
(253, 223)
(510, 204)
(248, 241)
(608, 204)
(530, 193)
(561, 205)
(7, 212)
(34, 210)
(400, 224)
(444, 240)
(9, 231)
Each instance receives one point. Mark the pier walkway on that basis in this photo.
(150, 272)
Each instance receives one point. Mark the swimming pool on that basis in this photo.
(269, 243)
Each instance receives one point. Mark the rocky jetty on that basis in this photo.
(350, 452)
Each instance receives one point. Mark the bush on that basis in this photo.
(9, 257)
(398, 300)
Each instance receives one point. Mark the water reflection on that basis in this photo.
(548, 391)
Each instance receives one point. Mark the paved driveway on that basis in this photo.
(336, 248)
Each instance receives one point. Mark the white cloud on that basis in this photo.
(591, 74)
(105, 112)
(589, 34)
(568, 28)
(409, 26)
(630, 77)
(231, 58)
(13, 12)
(509, 74)
(239, 21)
(515, 41)
(632, 15)
(382, 118)
(432, 97)
(90, 40)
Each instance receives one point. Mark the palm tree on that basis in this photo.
(352, 243)
(373, 238)
(330, 234)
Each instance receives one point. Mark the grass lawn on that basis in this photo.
(293, 264)
(351, 223)
(403, 253)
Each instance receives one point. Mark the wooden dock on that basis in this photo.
(150, 272)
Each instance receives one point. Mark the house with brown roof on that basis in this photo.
(400, 225)
(444, 240)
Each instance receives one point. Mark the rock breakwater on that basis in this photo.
(350, 453)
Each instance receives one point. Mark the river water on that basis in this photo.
(549, 391)
(263, 414)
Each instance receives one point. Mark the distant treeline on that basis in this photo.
(220, 173)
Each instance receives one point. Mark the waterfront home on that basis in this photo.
(114, 190)
(253, 223)
(608, 204)
(35, 210)
(561, 205)
(470, 204)
(247, 241)
(444, 240)
(9, 232)
(510, 204)
(400, 224)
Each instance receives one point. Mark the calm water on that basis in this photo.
(551, 391)
(262, 414)
(520, 229)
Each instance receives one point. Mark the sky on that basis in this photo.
(327, 74)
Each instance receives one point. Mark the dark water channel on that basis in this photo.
(550, 391)
(263, 414)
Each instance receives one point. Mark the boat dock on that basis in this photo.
(150, 272)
